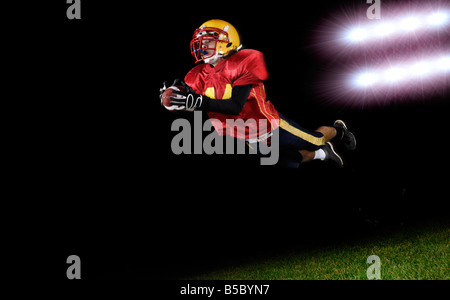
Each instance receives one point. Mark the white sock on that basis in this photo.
(319, 154)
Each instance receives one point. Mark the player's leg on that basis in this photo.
(307, 155)
(310, 145)
(328, 132)
(326, 153)
(339, 132)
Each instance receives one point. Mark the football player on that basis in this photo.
(229, 84)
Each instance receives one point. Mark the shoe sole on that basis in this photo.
(335, 153)
(342, 123)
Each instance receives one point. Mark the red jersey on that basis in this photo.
(243, 68)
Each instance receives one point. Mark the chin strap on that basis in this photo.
(212, 59)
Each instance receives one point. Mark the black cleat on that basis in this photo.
(331, 155)
(348, 139)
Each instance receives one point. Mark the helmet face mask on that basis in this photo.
(213, 40)
(208, 42)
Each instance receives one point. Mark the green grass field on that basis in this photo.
(408, 252)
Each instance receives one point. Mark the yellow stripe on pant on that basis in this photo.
(318, 141)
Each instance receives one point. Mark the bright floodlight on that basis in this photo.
(420, 69)
(384, 29)
(394, 75)
(357, 35)
(406, 24)
(444, 63)
(410, 23)
(402, 73)
(366, 79)
(438, 18)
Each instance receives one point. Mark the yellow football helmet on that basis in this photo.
(214, 39)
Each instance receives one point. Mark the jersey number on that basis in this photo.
(211, 93)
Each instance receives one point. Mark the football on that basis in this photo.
(165, 97)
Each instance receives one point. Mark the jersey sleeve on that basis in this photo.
(252, 69)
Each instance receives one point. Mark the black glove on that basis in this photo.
(189, 100)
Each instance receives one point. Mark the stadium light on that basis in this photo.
(444, 63)
(410, 23)
(402, 73)
(394, 74)
(402, 56)
(357, 35)
(438, 18)
(384, 29)
(421, 68)
(400, 25)
(366, 79)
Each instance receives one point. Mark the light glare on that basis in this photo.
(410, 23)
(403, 73)
(384, 29)
(366, 79)
(420, 69)
(394, 75)
(406, 24)
(357, 35)
(438, 18)
(444, 63)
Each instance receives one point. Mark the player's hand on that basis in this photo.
(188, 99)
(166, 85)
